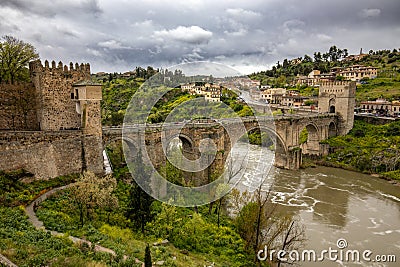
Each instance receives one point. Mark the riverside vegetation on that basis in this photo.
(114, 212)
(368, 148)
(26, 246)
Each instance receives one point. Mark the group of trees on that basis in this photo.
(260, 225)
(304, 65)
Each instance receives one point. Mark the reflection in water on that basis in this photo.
(334, 203)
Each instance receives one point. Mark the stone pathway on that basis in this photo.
(30, 211)
(6, 262)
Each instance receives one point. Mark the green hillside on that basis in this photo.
(118, 92)
(387, 84)
(359, 150)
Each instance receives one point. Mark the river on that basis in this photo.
(337, 204)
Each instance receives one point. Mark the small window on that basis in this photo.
(72, 96)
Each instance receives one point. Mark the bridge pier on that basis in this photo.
(295, 158)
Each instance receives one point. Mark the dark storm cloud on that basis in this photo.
(52, 8)
(119, 35)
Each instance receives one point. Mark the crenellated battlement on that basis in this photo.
(338, 88)
(37, 67)
(335, 83)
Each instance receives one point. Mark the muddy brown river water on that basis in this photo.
(337, 204)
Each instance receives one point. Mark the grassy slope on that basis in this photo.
(118, 92)
(26, 246)
(54, 213)
(368, 148)
(388, 88)
(20, 241)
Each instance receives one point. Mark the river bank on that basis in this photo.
(309, 163)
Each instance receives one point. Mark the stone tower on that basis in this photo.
(338, 97)
(56, 109)
(68, 100)
(87, 96)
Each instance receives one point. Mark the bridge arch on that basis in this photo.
(281, 149)
(189, 149)
(130, 148)
(187, 141)
(270, 131)
(332, 129)
(309, 139)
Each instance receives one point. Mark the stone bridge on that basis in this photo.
(62, 131)
(284, 129)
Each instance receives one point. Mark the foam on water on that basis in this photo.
(332, 205)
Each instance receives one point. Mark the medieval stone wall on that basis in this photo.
(18, 108)
(45, 154)
(49, 137)
(49, 154)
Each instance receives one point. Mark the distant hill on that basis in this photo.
(118, 90)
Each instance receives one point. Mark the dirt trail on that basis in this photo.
(30, 211)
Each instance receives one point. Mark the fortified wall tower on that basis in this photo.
(55, 108)
(68, 136)
(338, 97)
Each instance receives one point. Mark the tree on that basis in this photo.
(285, 63)
(345, 53)
(341, 78)
(303, 136)
(147, 257)
(261, 228)
(307, 59)
(233, 168)
(167, 223)
(14, 58)
(317, 57)
(91, 192)
(139, 206)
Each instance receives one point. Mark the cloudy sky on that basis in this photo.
(117, 35)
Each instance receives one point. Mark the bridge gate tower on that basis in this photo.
(338, 98)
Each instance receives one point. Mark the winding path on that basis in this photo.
(6, 262)
(30, 211)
